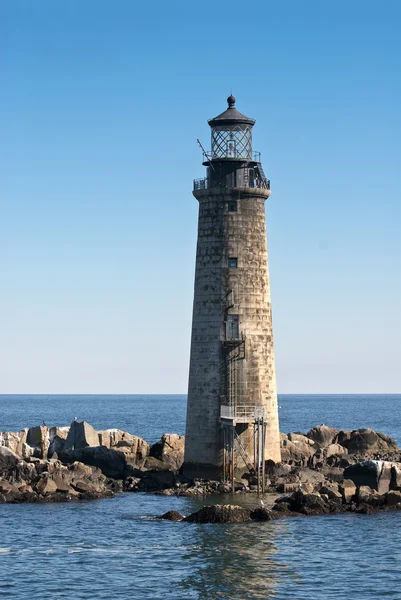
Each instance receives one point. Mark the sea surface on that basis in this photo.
(114, 548)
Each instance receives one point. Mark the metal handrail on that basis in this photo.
(255, 156)
(242, 412)
(204, 183)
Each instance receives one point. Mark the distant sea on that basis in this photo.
(114, 548)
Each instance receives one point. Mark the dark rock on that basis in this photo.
(153, 481)
(218, 513)
(154, 463)
(367, 441)
(261, 514)
(112, 463)
(373, 473)
(172, 515)
(393, 498)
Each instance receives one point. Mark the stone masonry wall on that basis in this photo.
(222, 235)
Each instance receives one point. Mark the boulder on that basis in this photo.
(393, 498)
(367, 441)
(154, 463)
(172, 515)
(81, 435)
(112, 463)
(333, 450)
(307, 503)
(300, 437)
(153, 480)
(348, 490)
(135, 447)
(46, 486)
(38, 438)
(395, 476)
(220, 513)
(322, 435)
(295, 452)
(57, 439)
(261, 514)
(373, 473)
(8, 459)
(332, 492)
(170, 450)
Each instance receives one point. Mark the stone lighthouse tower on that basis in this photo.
(232, 416)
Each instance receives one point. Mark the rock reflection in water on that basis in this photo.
(236, 561)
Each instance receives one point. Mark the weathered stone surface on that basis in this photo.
(395, 476)
(322, 435)
(333, 450)
(331, 491)
(348, 490)
(38, 438)
(295, 452)
(367, 441)
(57, 440)
(45, 486)
(112, 463)
(8, 459)
(373, 473)
(220, 513)
(300, 437)
(170, 450)
(81, 435)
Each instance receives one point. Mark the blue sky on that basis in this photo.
(100, 108)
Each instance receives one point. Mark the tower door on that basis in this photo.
(232, 327)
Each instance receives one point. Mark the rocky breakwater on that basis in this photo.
(335, 468)
(77, 462)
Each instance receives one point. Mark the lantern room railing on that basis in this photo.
(205, 183)
(230, 154)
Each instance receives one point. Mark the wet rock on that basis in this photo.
(322, 435)
(220, 513)
(261, 514)
(172, 515)
(170, 450)
(153, 481)
(393, 498)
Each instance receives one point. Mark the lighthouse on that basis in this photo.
(232, 413)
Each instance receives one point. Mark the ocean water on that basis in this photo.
(115, 548)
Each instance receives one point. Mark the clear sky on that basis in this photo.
(101, 104)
